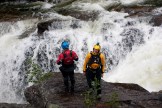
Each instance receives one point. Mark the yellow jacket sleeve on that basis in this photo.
(86, 61)
(102, 62)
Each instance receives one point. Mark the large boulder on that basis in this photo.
(57, 23)
(67, 9)
(144, 11)
(51, 93)
(14, 105)
(156, 20)
(43, 26)
(138, 11)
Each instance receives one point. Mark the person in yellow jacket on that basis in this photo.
(94, 67)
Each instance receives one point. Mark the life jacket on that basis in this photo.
(94, 59)
(68, 59)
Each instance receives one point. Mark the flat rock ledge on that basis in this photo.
(50, 94)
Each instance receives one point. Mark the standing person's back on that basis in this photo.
(66, 59)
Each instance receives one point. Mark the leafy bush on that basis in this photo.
(35, 73)
(90, 98)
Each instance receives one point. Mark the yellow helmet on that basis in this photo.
(97, 47)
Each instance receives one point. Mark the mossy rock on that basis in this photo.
(20, 11)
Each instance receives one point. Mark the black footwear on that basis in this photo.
(72, 90)
(66, 90)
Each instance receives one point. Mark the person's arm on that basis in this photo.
(85, 62)
(75, 56)
(102, 63)
(59, 59)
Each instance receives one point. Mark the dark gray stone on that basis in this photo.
(128, 95)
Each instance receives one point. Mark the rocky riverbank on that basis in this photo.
(50, 94)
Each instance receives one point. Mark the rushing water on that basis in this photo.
(131, 45)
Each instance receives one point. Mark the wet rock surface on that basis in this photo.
(51, 92)
(7, 105)
(17, 11)
(55, 24)
(144, 11)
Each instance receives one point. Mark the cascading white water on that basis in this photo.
(11, 58)
(131, 47)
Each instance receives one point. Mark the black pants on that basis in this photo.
(91, 75)
(66, 76)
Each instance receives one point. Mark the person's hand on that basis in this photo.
(102, 75)
(59, 62)
(84, 73)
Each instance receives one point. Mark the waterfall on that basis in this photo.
(131, 46)
(12, 50)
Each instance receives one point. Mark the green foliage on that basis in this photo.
(90, 97)
(95, 85)
(35, 73)
(114, 100)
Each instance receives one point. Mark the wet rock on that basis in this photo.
(19, 0)
(27, 32)
(35, 97)
(66, 9)
(137, 11)
(18, 11)
(156, 20)
(51, 92)
(45, 25)
(131, 37)
(82, 15)
(57, 24)
(13, 105)
(115, 6)
(160, 97)
(143, 11)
